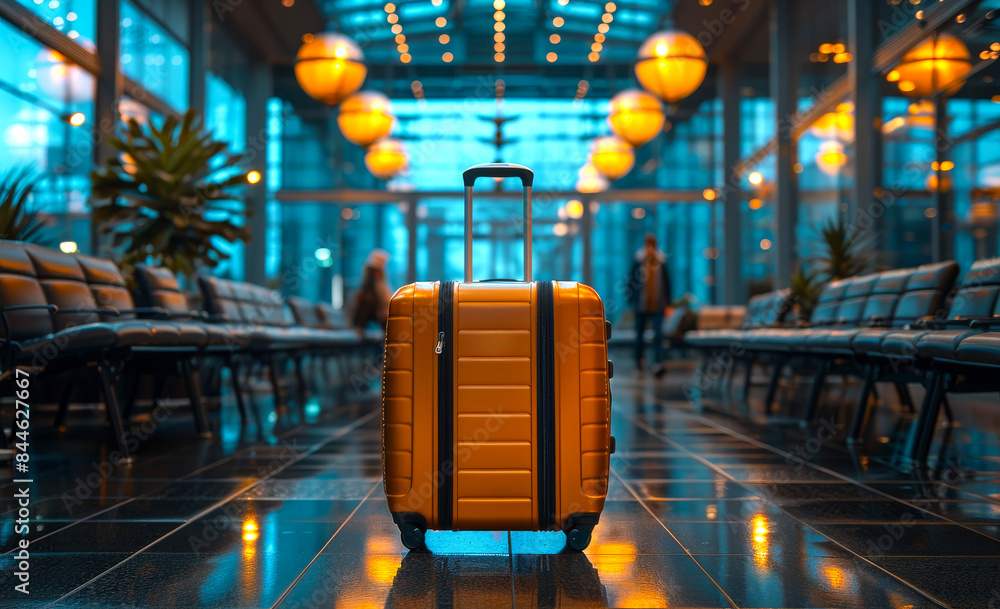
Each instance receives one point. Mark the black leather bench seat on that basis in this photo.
(981, 348)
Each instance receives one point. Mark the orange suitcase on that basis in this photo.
(495, 400)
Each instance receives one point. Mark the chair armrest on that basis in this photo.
(113, 312)
(932, 323)
(986, 322)
(152, 311)
(28, 307)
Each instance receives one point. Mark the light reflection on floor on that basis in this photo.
(703, 511)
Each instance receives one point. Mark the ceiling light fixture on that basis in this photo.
(498, 27)
(602, 28)
(401, 47)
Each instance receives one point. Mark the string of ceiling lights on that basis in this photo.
(498, 27)
(444, 39)
(557, 22)
(602, 29)
(397, 29)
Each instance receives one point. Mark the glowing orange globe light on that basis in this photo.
(330, 67)
(831, 158)
(386, 158)
(612, 156)
(365, 117)
(636, 116)
(942, 59)
(671, 64)
(835, 125)
(590, 180)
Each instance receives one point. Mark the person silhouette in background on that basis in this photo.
(649, 293)
(371, 302)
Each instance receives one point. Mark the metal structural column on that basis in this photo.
(783, 92)
(198, 56)
(108, 90)
(411, 243)
(733, 291)
(943, 227)
(258, 91)
(863, 210)
(587, 236)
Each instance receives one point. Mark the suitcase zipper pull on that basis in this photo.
(440, 344)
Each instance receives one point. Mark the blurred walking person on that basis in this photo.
(649, 293)
(371, 302)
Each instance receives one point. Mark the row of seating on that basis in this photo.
(66, 313)
(901, 326)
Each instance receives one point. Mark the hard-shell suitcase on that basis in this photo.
(495, 400)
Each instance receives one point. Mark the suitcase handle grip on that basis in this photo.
(498, 170)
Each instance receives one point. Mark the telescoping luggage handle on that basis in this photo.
(498, 170)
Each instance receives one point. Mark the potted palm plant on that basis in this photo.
(169, 196)
(18, 222)
(845, 252)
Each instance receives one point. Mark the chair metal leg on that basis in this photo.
(133, 394)
(108, 379)
(947, 408)
(862, 411)
(64, 398)
(929, 422)
(727, 392)
(234, 376)
(816, 390)
(912, 448)
(272, 366)
(300, 383)
(772, 387)
(194, 394)
(343, 373)
(905, 398)
(748, 379)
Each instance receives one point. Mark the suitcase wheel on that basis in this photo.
(578, 539)
(412, 536)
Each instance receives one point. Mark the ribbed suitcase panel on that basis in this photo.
(397, 395)
(595, 423)
(409, 402)
(582, 400)
(494, 404)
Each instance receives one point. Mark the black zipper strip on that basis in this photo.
(546, 406)
(446, 389)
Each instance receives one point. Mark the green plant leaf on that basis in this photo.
(158, 210)
(18, 222)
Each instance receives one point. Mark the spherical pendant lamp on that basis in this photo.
(612, 156)
(590, 180)
(671, 64)
(365, 117)
(386, 158)
(835, 125)
(940, 60)
(636, 116)
(329, 67)
(831, 158)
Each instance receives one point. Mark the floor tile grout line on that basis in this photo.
(865, 559)
(325, 546)
(340, 433)
(631, 490)
(186, 476)
(831, 472)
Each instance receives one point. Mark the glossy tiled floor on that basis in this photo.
(704, 511)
